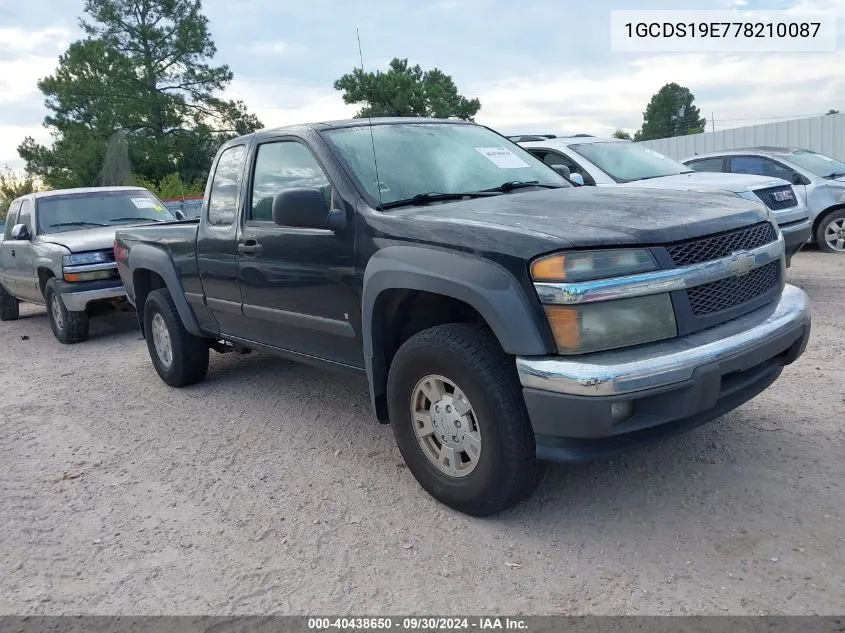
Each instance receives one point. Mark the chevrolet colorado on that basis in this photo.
(501, 316)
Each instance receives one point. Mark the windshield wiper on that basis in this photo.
(518, 184)
(78, 224)
(835, 174)
(132, 219)
(434, 196)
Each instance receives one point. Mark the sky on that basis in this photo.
(538, 66)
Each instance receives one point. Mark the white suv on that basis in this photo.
(607, 162)
(818, 180)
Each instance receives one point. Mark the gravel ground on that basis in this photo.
(269, 488)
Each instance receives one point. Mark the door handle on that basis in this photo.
(13, 253)
(250, 247)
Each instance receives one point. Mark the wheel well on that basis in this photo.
(44, 275)
(821, 216)
(145, 281)
(397, 316)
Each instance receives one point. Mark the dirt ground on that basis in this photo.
(270, 488)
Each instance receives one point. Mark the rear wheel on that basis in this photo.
(830, 235)
(9, 306)
(68, 326)
(459, 420)
(179, 357)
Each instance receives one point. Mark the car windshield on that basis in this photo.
(74, 212)
(627, 162)
(819, 164)
(415, 159)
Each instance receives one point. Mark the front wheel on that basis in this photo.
(830, 235)
(179, 357)
(9, 306)
(459, 420)
(68, 326)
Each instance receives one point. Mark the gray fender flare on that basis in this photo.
(489, 288)
(145, 256)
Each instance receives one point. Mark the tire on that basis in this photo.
(187, 363)
(830, 234)
(469, 357)
(68, 327)
(9, 306)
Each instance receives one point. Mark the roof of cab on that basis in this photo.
(342, 123)
(82, 190)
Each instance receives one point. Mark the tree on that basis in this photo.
(406, 91)
(622, 134)
(670, 113)
(13, 185)
(145, 70)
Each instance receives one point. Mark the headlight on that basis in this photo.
(93, 275)
(592, 327)
(602, 325)
(584, 265)
(80, 259)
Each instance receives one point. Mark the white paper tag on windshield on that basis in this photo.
(823, 157)
(144, 203)
(655, 154)
(502, 157)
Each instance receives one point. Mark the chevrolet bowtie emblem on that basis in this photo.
(741, 263)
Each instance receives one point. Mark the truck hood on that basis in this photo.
(574, 217)
(98, 239)
(700, 180)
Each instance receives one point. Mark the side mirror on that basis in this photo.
(178, 214)
(563, 170)
(798, 179)
(21, 232)
(577, 179)
(305, 207)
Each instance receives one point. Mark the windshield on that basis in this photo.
(58, 214)
(421, 158)
(627, 162)
(819, 164)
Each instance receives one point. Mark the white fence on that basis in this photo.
(825, 134)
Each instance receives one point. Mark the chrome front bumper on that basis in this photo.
(78, 301)
(668, 362)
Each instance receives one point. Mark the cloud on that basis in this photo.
(286, 102)
(731, 86)
(274, 48)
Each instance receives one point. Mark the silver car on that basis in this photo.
(610, 162)
(818, 180)
(58, 249)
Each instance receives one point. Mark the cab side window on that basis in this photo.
(223, 197)
(760, 166)
(707, 164)
(283, 165)
(11, 219)
(25, 215)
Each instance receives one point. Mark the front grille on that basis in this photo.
(722, 244)
(769, 197)
(733, 291)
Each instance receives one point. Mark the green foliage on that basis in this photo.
(620, 133)
(671, 113)
(12, 186)
(171, 186)
(143, 70)
(406, 91)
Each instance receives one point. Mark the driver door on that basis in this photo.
(23, 258)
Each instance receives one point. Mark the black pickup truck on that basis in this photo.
(501, 316)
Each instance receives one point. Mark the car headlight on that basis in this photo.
(584, 265)
(80, 259)
(601, 325)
